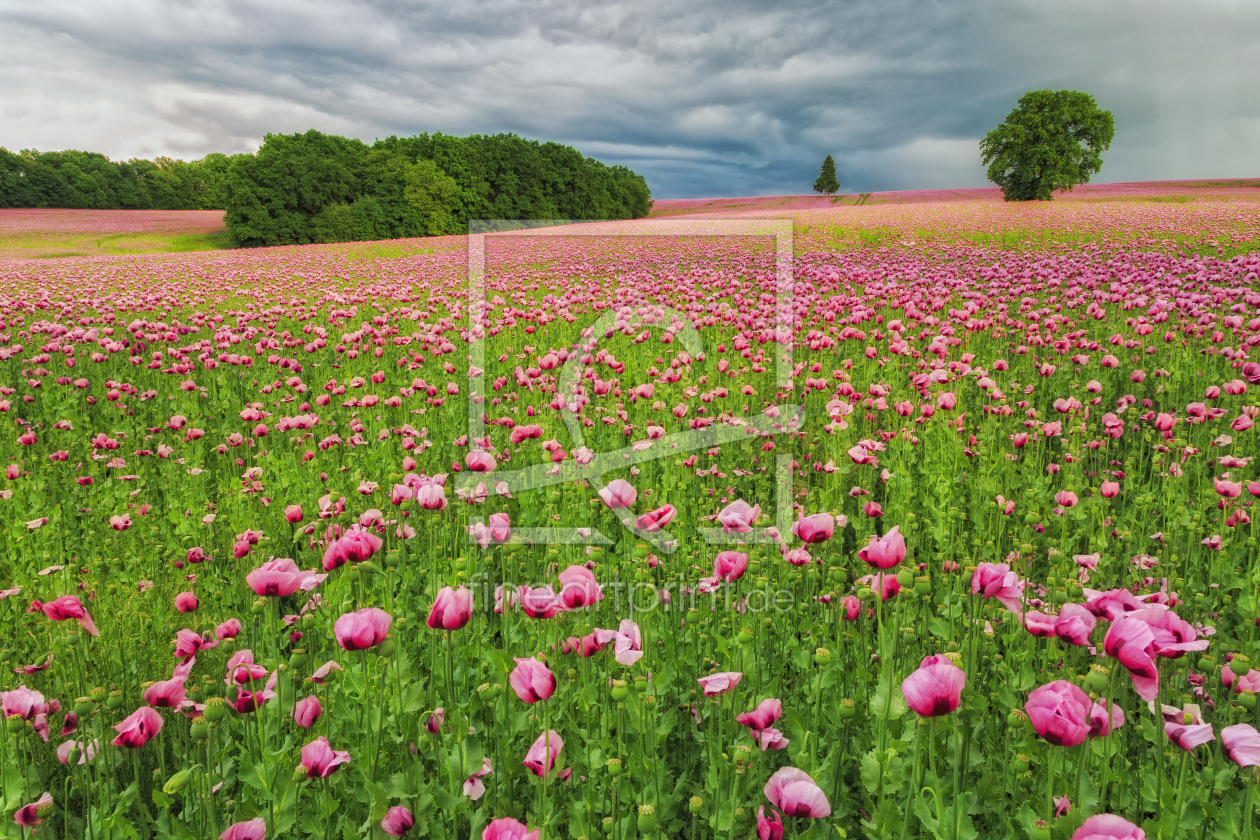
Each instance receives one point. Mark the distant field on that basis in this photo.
(49, 234)
(1159, 191)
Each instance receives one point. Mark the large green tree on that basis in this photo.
(1053, 140)
(316, 187)
(827, 184)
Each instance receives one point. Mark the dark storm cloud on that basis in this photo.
(705, 98)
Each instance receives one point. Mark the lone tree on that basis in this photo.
(1053, 140)
(827, 183)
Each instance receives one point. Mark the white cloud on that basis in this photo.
(704, 97)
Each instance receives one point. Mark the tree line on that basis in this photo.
(88, 180)
(315, 187)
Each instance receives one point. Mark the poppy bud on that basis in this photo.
(175, 784)
(391, 560)
(846, 708)
(216, 707)
(232, 694)
(1020, 764)
(1098, 679)
(744, 636)
(114, 700)
(352, 574)
(83, 706)
(905, 577)
(1247, 700)
(1206, 663)
(387, 647)
(923, 586)
(14, 723)
(75, 755)
(298, 658)
(614, 766)
(640, 684)
(647, 819)
(73, 638)
(367, 567)
(822, 656)
(695, 804)
(866, 594)
(200, 729)
(619, 692)
(1040, 830)
(1240, 665)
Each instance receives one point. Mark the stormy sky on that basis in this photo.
(703, 97)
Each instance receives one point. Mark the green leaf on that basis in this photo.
(888, 700)
(161, 799)
(1229, 823)
(465, 759)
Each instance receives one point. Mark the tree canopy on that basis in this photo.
(87, 180)
(827, 184)
(1053, 140)
(316, 187)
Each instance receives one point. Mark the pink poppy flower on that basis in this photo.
(1075, 624)
(1039, 624)
(618, 494)
(715, 685)
(480, 462)
(655, 520)
(1099, 725)
(137, 728)
(28, 816)
(543, 755)
(321, 760)
(935, 688)
(794, 793)
(275, 578)
(474, 788)
(730, 565)
(884, 552)
(1108, 827)
(1185, 727)
(1059, 711)
(532, 680)
(87, 751)
(739, 517)
(229, 629)
(452, 609)
(506, 828)
(816, 528)
(770, 739)
(306, 711)
(1241, 743)
(1131, 641)
(165, 694)
(996, 580)
(362, 629)
(397, 821)
(769, 828)
(186, 602)
(541, 602)
(578, 588)
(767, 712)
(320, 677)
(69, 607)
(255, 829)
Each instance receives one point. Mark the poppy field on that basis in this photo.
(939, 529)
